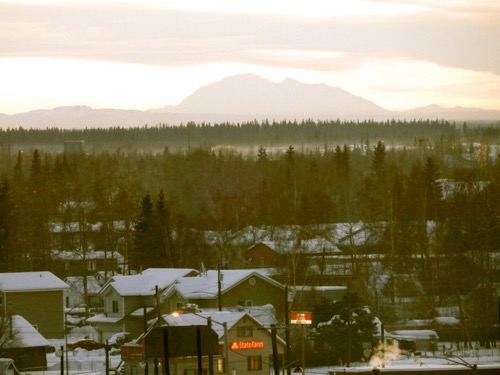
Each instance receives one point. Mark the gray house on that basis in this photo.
(131, 300)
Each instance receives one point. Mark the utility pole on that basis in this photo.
(219, 288)
(275, 350)
(287, 332)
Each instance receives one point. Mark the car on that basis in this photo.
(86, 344)
(120, 338)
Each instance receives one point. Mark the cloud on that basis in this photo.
(378, 49)
(169, 37)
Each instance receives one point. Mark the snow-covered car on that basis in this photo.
(120, 338)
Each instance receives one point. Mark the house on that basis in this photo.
(25, 345)
(264, 255)
(226, 288)
(79, 263)
(129, 301)
(245, 345)
(7, 367)
(75, 295)
(416, 340)
(38, 297)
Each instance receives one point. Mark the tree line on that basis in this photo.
(267, 133)
(166, 200)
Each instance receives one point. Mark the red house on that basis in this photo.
(264, 255)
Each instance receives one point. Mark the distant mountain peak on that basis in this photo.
(249, 94)
(240, 98)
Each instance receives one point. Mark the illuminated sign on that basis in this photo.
(239, 345)
(300, 317)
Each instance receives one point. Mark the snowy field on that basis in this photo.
(94, 362)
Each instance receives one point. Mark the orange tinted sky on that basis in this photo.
(148, 54)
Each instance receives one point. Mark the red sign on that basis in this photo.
(300, 317)
(239, 345)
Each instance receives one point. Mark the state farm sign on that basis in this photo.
(239, 345)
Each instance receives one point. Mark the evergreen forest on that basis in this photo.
(169, 187)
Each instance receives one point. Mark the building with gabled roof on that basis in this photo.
(26, 346)
(130, 300)
(245, 345)
(226, 288)
(21, 291)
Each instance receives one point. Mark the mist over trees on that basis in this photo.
(154, 193)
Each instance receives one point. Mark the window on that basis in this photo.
(254, 363)
(244, 331)
(91, 265)
(179, 305)
(67, 301)
(115, 307)
(220, 365)
(262, 261)
(133, 370)
(248, 302)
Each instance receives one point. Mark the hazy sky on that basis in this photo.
(141, 54)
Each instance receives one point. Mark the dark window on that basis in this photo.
(244, 331)
(254, 363)
(115, 307)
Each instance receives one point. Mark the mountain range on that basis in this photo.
(242, 98)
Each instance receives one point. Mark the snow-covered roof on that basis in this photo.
(248, 235)
(28, 281)
(24, 334)
(189, 319)
(89, 255)
(318, 288)
(102, 318)
(144, 284)
(265, 314)
(76, 226)
(205, 286)
(422, 334)
(219, 318)
(311, 246)
(446, 321)
(7, 364)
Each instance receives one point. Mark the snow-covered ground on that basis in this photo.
(82, 361)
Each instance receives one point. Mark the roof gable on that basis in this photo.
(206, 285)
(25, 335)
(144, 284)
